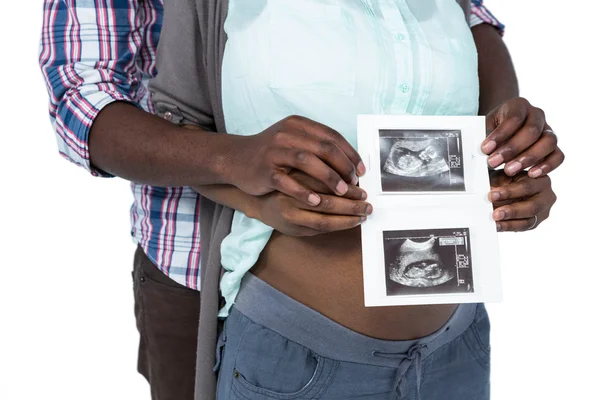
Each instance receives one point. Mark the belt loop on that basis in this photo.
(220, 345)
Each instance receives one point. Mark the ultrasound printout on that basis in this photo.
(421, 160)
(431, 238)
(431, 261)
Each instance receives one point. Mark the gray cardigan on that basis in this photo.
(190, 53)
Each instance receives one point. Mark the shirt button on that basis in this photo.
(399, 37)
(404, 88)
(168, 116)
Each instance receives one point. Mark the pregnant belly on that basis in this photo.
(325, 273)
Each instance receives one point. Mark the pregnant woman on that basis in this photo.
(285, 80)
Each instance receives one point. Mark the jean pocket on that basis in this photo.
(268, 366)
(477, 337)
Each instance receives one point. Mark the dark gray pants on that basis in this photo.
(167, 319)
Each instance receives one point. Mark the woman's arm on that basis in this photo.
(291, 217)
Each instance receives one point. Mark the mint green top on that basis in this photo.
(331, 60)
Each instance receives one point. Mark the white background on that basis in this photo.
(66, 306)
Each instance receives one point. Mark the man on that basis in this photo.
(96, 59)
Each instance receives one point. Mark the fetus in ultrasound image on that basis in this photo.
(421, 160)
(434, 261)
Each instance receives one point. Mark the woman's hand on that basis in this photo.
(521, 203)
(261, 163)
(294, 218)
(521, 138)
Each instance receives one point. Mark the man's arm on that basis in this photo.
(498, 83)
(497, 77)
(91, 57)
(94, 61)
(95, 84)
(522, 200)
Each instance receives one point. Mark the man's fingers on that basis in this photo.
(326, 150)
(550, 163)
(335, 205)
(312, 165)
(526, 187)
(546, 144)
(326, 133)
(518, 140)
(503, 122)
(285, 184)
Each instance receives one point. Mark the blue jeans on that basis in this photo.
(273, 347)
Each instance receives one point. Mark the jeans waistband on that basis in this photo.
(265, 305)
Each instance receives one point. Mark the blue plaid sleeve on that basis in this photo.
(91, 54)
(481, 15)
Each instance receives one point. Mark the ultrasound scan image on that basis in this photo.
(421, 160)
(435, 261)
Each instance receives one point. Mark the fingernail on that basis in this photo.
(495, 196)
(369, 209)
(341, 188)
(499, 227)
(354, 180)
(536, 173)
(363, 219)
(499, 215)
(489, 146)
(363, 195)
(313, 199)
(513, 168)
(495, 160)
(361, 169)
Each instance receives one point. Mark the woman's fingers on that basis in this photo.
(334, 205)
(533, 209)
(293, 217)
(325, 223)
(522, 187)
(353, 193)
(522, 204)
(517, 225)
(521, 210)
(521, 225)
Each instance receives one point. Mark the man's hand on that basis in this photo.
(521, 203)
(294, 218)
(521, 138)
(261, 163)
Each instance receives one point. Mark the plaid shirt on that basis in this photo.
(93, 53)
